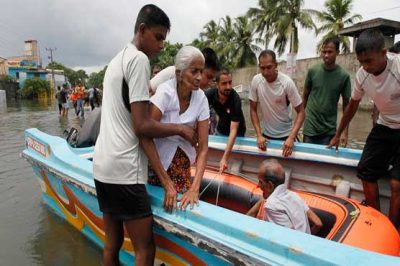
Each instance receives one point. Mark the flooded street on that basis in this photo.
(31, 234)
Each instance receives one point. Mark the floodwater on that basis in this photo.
(31, 234)
(359, 129)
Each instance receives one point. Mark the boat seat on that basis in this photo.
(240, 200)
(328, 221)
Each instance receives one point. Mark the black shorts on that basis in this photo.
(381, 150)
(282, 138)
(124, 202)
(322, 139)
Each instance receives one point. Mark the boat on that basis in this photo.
(311, 167)
(344, 220)
(206, 235)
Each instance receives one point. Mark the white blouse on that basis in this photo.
(166, 100)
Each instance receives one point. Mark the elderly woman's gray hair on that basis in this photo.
(185, 56)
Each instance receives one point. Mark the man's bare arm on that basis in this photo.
(261, 141)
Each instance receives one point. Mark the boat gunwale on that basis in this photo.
(291, 253)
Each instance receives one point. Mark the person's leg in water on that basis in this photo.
(114, 237)
(82, 108)
(91, 101)
(394, 209)
(141, 234)
(76, 107)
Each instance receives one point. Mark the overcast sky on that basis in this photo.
(87, 34)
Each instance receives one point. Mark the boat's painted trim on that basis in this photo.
(236, 238)
(301, 151)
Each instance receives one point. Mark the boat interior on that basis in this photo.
(238, 198)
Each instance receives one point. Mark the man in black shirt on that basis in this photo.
(227, 104)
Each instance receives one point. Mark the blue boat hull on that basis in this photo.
(206, 235)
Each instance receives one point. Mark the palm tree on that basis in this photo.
(232, 41)
(225, 45)
(289, 16)
(244, 51)
(263, 18)
(198, 43)
(210, 34)
(336, 16)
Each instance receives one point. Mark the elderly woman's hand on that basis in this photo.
(170, 197)
(189, 197)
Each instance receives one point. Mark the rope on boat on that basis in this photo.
(238, 174)
(209, 183)
(219, 183)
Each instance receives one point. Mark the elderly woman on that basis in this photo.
(180, 100)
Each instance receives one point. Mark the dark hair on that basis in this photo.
(210, 59)
(267, 52)
(220, 73)
(335, 40)
(156, 66)
(276, 180)
(395, 48)
(370, 40)
(152, 15)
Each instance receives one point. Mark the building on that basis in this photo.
(389, 29)
(29, 65)
(3, 69)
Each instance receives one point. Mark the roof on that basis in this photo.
(388, 27)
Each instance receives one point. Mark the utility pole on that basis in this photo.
(53, 82)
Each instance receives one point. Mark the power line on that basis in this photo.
(383, 10)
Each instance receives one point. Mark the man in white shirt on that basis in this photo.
(379, 78)
(279, 205)
(125, 138)
(276, 93)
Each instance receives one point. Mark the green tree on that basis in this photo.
(336, 16)
(96, 79)
(72, 75)
(69, 73)
(8, 78)
(225, 46)
(56, 65)
(167, 56)
(244, 47)
(233, 41)
(210, 34)
(82, 75)
(262, 17)
(281, 19)
(199, 44)
(34, 87)
(290, 16)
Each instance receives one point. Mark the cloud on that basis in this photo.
(89, 33)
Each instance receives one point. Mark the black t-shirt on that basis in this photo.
(63, 96)
(231, 110)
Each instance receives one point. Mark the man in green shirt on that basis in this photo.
(323, 86)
